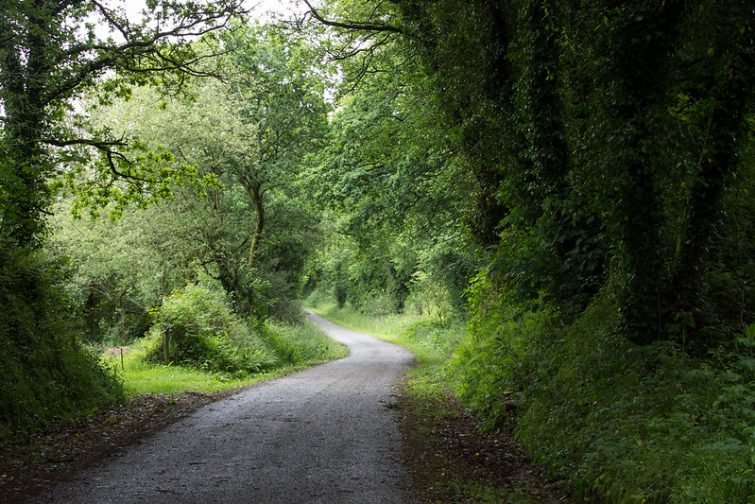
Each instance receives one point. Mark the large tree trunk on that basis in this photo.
(718, 161)
(637, 80)
(25, 165)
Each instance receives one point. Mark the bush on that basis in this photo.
(195, 327)
(318, 297)
(485, 366)
(46, 374)
(634, 424)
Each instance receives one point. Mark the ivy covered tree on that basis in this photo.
(51, 53)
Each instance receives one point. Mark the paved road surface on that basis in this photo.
(325, 435)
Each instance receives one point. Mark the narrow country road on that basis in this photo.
(328, 434)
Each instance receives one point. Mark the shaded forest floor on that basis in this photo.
(451, 461)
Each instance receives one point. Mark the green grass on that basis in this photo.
(387, 327)
(141, 377)
(304, 346)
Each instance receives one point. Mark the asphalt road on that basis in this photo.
(329, 434)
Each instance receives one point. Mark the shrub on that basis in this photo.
(195, 327)
(486, 365)
(46, 374)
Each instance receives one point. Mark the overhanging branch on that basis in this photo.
(354, 25)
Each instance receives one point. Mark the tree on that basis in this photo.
(50, 54)
(613, 145)
(280, 95)
(251, 132)
(392, 176)
(602, 138)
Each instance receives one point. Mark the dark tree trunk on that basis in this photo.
(718, 161)
(25, 165)
(640, 51)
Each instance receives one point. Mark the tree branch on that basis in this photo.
(142, 46)
(106, 147)
(98, 144)
(354, 25)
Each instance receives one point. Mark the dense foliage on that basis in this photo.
(46, 374)
(50, 55)
(598, 157)
(572, 180)
(196, 327)
(187, 129)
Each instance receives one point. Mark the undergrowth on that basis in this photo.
(196, 327)
(45, 373)
(288, 347)
(620, 422)
(432, 339)
(48, 376)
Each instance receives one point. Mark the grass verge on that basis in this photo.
(298, 346)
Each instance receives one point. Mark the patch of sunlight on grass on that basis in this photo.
(168, 379)
(387, 327)
(142, 377)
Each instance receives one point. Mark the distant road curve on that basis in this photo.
(325, 435)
